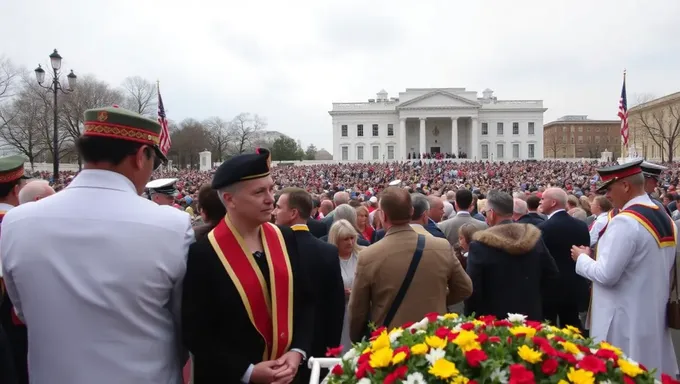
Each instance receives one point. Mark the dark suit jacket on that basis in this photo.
(215, 325)
(560, 233)
(317, 228)
(434, 229)
(531, 218)
(329, 293)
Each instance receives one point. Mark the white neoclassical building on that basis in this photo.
(438, 120)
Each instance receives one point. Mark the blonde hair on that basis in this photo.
(362, 208)
(341, 229)
(466, 231)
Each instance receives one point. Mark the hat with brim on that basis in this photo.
(11, 169)
(247, 166)
(610, 175)
(163, 187)
(652, 170)
(121, 124)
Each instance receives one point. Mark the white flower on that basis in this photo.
(395, 335)
(606, 382)
(350, 354)
(457, 328)
(420, 332)
(434, 355)
(422, 324)
(593, 350)
(579, 356)
(499, 375)
(516, 318)
(365, 380)
(415, 378)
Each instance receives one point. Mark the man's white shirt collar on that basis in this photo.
(554, 212)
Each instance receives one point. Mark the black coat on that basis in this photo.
(531, 218)
(510, 268)
(329, 293)
(317, 228)
(13, 343)
(215, 325)
(560, 233)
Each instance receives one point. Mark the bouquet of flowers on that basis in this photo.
(462, 350)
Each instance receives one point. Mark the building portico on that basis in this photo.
(450, 121)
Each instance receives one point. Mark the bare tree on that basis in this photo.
(140, 95)
(21, 125)
(8, 75)
(554, 142)
(219, 136)
(188, 139)
(91, 93)
(662, 126)
(245, 129)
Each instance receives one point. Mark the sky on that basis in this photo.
(288, 61)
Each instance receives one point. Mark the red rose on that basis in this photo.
(606, 354)
(549, 366)
(482, 337)
(584, 349)
(534, 324)
(432, 316)
(364, 358)
(502, 323)
(475, 357)
(404, 349)
(592, 364)
(628, 380)
(520, 375)
(540, 341)
(337, 370)
(377, 332)
(665, 379)
(568, 357)
(467, 326)
(334, 352)
(549, 350)
(642, 367)
(494, 339)
(488, 319)
(407, 324)
(362, 369)
(442, 332)
(558, 338)
(452, 336)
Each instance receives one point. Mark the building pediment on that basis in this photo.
(438, 100)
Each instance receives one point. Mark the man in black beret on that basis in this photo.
(246, 315)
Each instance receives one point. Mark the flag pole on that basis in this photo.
(627, 141)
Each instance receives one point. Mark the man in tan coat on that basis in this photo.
(438, 280)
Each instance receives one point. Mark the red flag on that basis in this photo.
(623, 112)
(165, 142)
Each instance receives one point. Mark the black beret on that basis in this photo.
(248, 166)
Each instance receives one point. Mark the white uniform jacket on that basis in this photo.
(631, 282)
(95, 271)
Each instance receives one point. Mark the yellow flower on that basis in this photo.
(443, 369)
(521, 329)
(367, 350)
(381, 358)
(573, 329)
(554, 329)
(529, 355)
(450, 316)
(562, 382)
(550, 336)
(395, 330)
(570, 347)
(435, 342)
(580, 376)
(398, 358)
(419, 349)
(381, 342)
(467, 341)
(478, 322)
(630, 369)
(607, 346)
(460, 380)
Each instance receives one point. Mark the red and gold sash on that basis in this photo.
(271, 315)
(656, 221)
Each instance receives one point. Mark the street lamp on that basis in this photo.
(55, 86)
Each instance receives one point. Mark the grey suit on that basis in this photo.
(450, 226)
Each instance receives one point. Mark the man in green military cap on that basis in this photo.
(13, 339)
(97, 268)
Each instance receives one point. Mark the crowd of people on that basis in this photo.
(243, 273)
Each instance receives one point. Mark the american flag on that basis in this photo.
(165, 134)
(623, 112)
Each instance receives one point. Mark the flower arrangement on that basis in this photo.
(467, 350)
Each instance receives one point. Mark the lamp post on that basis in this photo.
(54, 87)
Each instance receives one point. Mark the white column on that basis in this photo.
(454, 136)
(402, 139)
(474, 131)
(422, 135)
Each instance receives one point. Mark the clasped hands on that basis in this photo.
(577, 250)
(279, 371)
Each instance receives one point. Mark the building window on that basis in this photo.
(360, 152)
(531, 128)
(390, 130)
(564, 139)
(531, 151)
(597, 128)
(375, 129)
(345, 153)
(343, 131)
(515, 151)
(564, 129)
(515, 128)
(572, 139)
(499, 151)
(597, 139)
(485, 128)
(360, 130)
(499, 128)
(580, 139)
(485, 151)
(580, 129)
(390, 152)
(376, 152)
